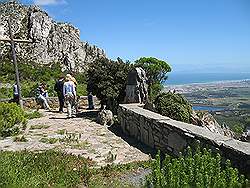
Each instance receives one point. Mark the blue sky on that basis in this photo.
(192, 35)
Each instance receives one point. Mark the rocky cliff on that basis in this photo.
(52, 41)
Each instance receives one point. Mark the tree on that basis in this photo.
(107, 80)
(156, 71)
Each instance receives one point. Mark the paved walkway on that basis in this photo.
(80, 136)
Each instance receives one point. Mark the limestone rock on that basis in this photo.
(136, 88)
(207, 121)
(53, 42)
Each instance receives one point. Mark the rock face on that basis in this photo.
(53, 42)
(208, 122)
(136, 88)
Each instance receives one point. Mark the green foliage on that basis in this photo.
(199, 169)
(174, 106)
(6, 92)
(82, 89)
(31, 74)
(237, 129)
(20, 139)
(107, 80)
(156, 71)
(11, 117)
(30, 71)
(47, 169)
(33, 115)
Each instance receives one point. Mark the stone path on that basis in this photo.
(80, 136)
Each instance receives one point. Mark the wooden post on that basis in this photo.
(15, 64)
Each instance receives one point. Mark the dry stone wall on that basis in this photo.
(170, 136)
(53, 102)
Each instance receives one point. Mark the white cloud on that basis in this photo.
(50, 2)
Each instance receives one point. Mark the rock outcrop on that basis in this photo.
(53, 42)
(208, 122)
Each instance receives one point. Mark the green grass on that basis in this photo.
(33, 115)
(110, 175)
(39, 126)
(57, 169)
(49, 140)
(61, 131)
(48, 169)
(20, 139)
(80, 145)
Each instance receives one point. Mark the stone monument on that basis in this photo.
(136, 88)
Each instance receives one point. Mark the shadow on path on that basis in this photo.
(91, 115)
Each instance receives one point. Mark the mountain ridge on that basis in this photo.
(53, 41)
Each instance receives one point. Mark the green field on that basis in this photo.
(236, 101)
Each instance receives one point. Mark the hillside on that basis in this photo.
(53, 42)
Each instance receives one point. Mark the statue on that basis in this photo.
(136, 88)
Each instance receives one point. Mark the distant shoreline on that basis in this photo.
(191, 87)
(210, 83)
(204, 78)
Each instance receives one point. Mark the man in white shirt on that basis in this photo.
(69, 93)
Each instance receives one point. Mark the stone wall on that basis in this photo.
(170, 136)
(53, 102)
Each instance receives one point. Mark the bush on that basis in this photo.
(201, 169)
(174, 106)
(107, 80)
(11, 117)
(47, 169)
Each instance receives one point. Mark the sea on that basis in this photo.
(190, 78)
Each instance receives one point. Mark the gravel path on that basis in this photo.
(80, 135)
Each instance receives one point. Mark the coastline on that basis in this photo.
(190, 87)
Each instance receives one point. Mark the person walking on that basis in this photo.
(69, 93)
(75, 104)
(59, 90)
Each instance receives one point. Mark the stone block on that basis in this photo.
(157, 126)
(176, 141)
(150, 137)
(133, 130)
(144, 136)
(156, 138)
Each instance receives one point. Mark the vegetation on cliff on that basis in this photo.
(174, 106)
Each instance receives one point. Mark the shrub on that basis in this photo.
(107, 80)
(200, 169)
(174, 106)
(11, 117)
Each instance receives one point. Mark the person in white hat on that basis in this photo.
(69, 93)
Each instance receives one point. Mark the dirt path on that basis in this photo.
(80, 136)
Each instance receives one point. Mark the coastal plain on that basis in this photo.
(233, 98)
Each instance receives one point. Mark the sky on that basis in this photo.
(209, 36)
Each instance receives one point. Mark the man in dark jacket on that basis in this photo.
(59, 89)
